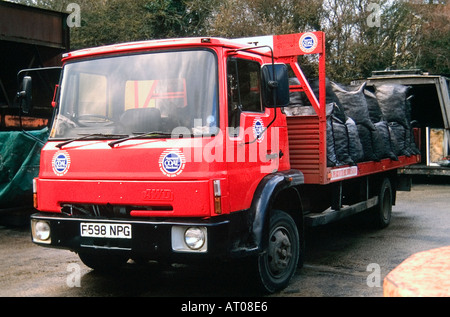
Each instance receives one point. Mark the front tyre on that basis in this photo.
(277, 265)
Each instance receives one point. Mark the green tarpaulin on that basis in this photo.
(19, 164)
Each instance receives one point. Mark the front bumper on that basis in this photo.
(152, 239)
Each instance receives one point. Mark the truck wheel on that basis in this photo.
(277, 265)
(382, 212)
(102, 261)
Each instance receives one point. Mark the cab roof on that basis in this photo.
(155, 45)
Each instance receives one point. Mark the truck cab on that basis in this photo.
(159, 149)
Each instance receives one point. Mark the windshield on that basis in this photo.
(138, 94)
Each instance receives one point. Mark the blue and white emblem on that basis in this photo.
(172, 162)
(308, 42)
(258, 129)
(61, 163)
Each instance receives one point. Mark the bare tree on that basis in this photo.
(361, 35)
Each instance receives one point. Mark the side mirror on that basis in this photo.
(26, 95)
(275, 85)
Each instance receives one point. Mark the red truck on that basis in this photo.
(180, 150)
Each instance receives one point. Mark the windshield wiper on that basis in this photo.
(154, 134)
(109, 136)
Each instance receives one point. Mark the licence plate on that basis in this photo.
(105, 230)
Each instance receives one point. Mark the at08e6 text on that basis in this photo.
(246, 307)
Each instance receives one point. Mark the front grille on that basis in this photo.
(107, 211)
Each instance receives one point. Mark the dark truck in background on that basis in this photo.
(430, 117)
(31, 43)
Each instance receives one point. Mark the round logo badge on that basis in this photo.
(308, 42)
(172, 163)
(61, 163)
(258, 129)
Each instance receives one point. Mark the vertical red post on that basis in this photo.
(286, 49)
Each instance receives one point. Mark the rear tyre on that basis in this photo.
(277, 265)
(383, 211)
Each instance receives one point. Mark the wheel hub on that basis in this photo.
(279, 252)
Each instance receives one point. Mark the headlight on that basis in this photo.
(189, 239)
(194, 238)
(41, 231)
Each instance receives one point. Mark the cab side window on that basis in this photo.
(244, 88)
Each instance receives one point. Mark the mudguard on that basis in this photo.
(265, 194)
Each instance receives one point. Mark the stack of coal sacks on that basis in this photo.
(395, 105)
(373, 130)
(343, 143)
(361, 125)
